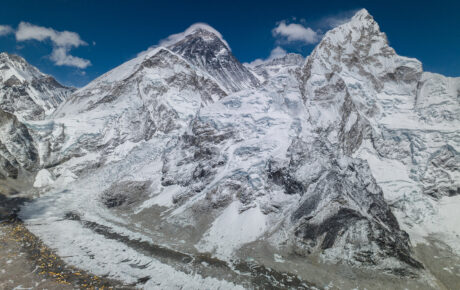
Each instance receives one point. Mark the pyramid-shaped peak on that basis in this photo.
(202, 30)
(363, 19)
(359, 47)
(25, 91)
(207, 36)
(203, 27)
(4, 56)
(204, 47)
(361, 28)
(12, 64)
(362, 14)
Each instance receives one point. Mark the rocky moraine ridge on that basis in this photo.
(348, 158)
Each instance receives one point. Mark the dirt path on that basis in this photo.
(16, 271)
(26, 263)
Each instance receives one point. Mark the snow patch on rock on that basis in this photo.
(43, 179)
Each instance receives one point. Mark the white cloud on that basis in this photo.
(277, 52)
(173, 38)
(27, 31)
(179, 36)
(62, 41)
(299, 32)
(333, 21)
(60, 56)
(295, 33)
(5, 30)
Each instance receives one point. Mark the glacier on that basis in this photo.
(331, 170)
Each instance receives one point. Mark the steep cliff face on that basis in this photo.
(17, 150)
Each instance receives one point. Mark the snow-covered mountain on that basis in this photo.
(345, 161)
(207, 51)
(25, 91)
(25, 94)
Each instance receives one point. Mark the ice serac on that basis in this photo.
(26, 94)
(268, 69)
(204, 49)
(437, 99)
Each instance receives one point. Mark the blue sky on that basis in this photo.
(108, 33)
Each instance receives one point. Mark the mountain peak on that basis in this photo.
(205, 29)
(13, 65)
(202, 37)
(25, 91)
(3, 55)
(362, 19)
(204, 47)
(362, 15)
(197, 29)
(362, 33)
(207, 36)
(6, 57)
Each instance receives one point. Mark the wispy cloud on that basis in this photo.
(277, 52)
(60, 56)
(295, 32)
(5, 30)
(63, 42)
(173, 38)
(333, 21)
(178, 36)
(27, 31)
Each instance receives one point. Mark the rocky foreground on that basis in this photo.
(27, 263)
